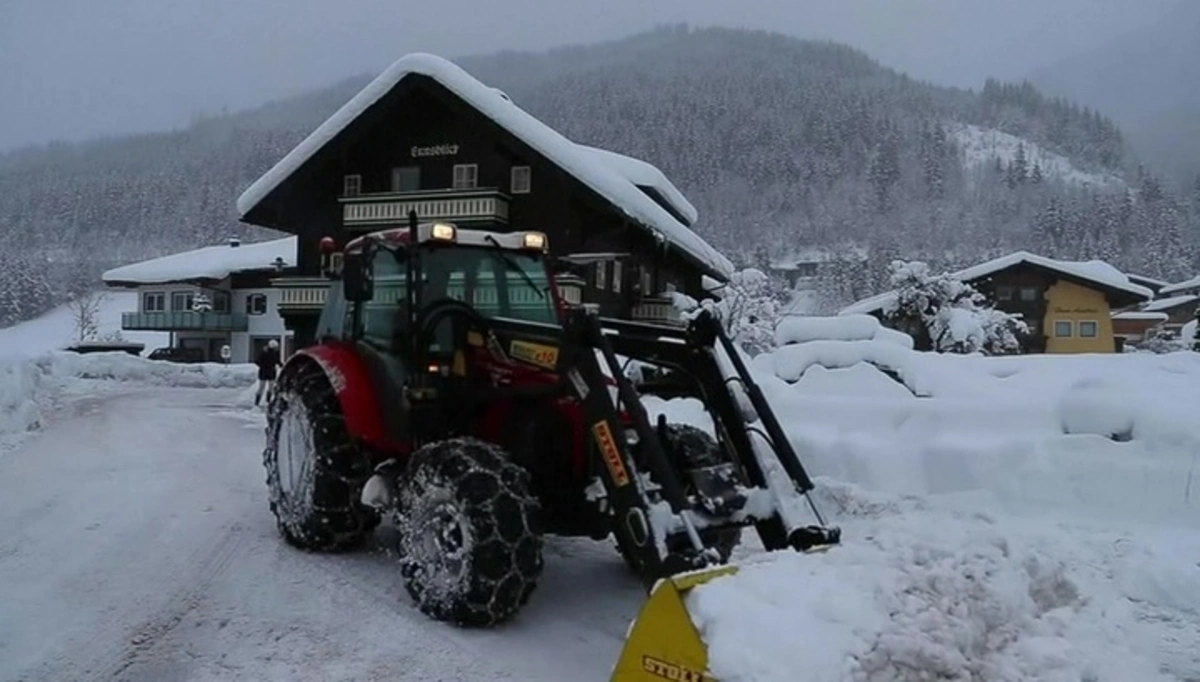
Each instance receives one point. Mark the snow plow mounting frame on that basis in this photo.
(776, 480)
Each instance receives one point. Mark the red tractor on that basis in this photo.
(453, 391)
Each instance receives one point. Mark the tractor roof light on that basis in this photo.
(443, 232)
(327, 245)
(535, 241)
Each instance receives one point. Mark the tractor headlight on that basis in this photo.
(535, 240)
(442, 232)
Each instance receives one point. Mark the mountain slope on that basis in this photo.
(782, 144)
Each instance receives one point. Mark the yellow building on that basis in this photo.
(1067, 305)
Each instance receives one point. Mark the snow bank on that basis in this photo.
(1029, 517)
(31, 387)
(800, 329)
(916, 594)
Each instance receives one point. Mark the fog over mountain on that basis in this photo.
(1148, 79)
(75, 69)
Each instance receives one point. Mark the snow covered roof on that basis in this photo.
(1186, 285)
(1168, 303)
(645, 174)
(1141, 315)
(1146, 281)
(210, 262)
(610, 180)
(1095, 271)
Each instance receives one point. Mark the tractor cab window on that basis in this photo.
(385, 315)
(496, 283)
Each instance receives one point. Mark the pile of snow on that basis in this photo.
(837, 354)
(33, 387)
(798, 329)
(1030, 517)
(981, 147)
(923, 594)
(57, 328)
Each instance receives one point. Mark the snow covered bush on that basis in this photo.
(948, 315)
(749, 307)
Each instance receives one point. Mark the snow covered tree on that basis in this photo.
(749, 307)
(947, 315)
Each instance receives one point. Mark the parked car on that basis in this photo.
(107, 347)
(185, 355)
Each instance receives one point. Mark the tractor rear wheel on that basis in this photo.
(695, 449)
(470, 532)
(312, 465)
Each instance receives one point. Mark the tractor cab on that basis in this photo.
(420, 305)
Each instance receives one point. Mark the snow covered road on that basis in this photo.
(138, 546)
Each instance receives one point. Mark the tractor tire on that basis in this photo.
(470, 533)
(696, 449)
(313, 468)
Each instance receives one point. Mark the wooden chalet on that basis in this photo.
(426, 136)
(1066, 305)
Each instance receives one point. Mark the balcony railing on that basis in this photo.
(459, 205)
(659, 310)
(301, 294)
(184, 321)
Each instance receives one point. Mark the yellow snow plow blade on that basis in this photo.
(663, 643)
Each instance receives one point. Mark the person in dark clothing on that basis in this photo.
(268, 362)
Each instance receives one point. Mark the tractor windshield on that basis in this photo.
(496, 282)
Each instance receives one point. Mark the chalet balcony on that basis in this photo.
(184, 321)
(301, 294)
(657, 310)
(456, 205)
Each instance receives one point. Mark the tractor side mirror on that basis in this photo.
(357, 283)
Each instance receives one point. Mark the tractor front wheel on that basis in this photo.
(312, 464)
(470, 533)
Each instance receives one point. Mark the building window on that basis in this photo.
(256, 304)
(1029, 293)
(1063, 328)
(616, 278)
(466, 176)
(521, 180)
(647, 282)
(181, 301)
(352, 185)
(1089, 330)
(601, 274)
(406, 179)
(220, 301)
(1004, 293)
(154, 303)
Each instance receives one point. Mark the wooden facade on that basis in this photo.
(422, 146)
(1064, 313)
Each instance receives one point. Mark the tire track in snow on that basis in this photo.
(103, 659)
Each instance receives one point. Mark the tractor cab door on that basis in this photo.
(381, 341)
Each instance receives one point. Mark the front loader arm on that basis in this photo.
(746, 428)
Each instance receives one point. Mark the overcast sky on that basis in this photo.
(72, 69)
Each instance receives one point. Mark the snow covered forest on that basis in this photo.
(785, 146)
